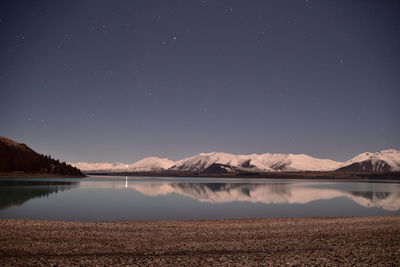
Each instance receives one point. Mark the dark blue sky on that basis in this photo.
(122, 80)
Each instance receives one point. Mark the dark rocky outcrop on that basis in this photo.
(218, 168)
(367, 166)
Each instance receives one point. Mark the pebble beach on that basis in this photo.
(366, 241)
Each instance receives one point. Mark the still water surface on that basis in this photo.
(144, 198)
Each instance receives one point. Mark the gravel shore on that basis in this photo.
(373, 241)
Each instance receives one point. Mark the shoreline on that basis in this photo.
(251, 242)
(395, 177)
(36, 175)
(322, 175)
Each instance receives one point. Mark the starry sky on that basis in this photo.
(122, 80)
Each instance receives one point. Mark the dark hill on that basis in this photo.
(218, 168)
(19, 158)
(367, 166)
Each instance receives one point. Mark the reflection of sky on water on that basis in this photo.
(120, 198)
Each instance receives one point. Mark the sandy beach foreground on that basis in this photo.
(373, 241)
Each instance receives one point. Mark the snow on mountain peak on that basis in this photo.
(385, 160)
(204, 160)
(264, 162)
(146, 164)
(390, 157)
(294, 162)
(152, 163)
(100, 167)
(389, 151)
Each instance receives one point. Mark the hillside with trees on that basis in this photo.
(19, 159)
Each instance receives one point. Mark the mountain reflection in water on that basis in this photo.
(275, 193)
(18, 192)
(144, 198)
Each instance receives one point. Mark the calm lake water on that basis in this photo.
(144, 198)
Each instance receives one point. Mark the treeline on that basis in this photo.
(20, 158)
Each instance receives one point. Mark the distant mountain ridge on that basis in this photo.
(143, 165)
(218, 162)
(382, 161)
(18, 158)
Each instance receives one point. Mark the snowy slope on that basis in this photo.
(202, 161)
(293, 162)
(263, 162)
(382, 161)
(217, 162)
(99, 167)
(151, 163)
(146, 164)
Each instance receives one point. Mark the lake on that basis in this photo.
(110, 198)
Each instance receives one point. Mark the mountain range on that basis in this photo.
(218, 162)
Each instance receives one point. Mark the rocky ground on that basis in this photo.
(373, 241)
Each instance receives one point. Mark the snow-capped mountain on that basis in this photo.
(103, 167)
(264, 162)
(151, 164)
(217, 162)
(144, 165)
(382, 161)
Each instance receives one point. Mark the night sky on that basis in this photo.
(122, 80)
